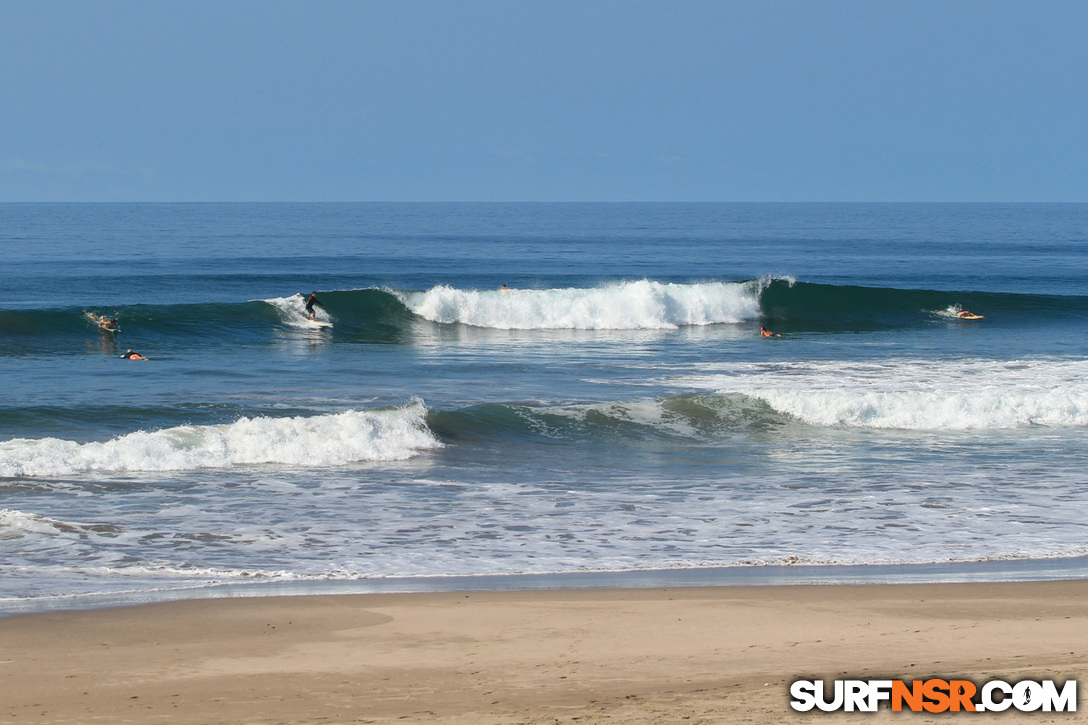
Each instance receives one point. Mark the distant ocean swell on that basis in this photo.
(995, 398)
(832, 308)
(379, 314)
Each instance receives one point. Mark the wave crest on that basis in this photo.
(918, 410)
(641, 305)
(324, 440)
(915, 395)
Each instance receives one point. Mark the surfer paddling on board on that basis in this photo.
(310, 312)
(968, 315)
(102, 322)
(764, 332)
(130, 355)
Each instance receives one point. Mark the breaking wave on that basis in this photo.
(323, 440)
(387, 316)
(641, 305)
(915, 394)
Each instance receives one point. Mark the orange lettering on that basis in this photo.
(912, 696)
(935, 690)
(961, 692)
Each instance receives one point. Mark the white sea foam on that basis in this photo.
(324, 440)
(16, 524)
(914, 394)
(292, 311)
(641, 305)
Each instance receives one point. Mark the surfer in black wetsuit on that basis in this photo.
(310, 312)
(130, 355)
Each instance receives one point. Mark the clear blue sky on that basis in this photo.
(511, 100)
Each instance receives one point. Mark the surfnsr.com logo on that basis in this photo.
(934, 695)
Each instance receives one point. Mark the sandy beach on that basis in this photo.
(684, 655)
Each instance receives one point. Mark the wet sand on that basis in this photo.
(680, 655)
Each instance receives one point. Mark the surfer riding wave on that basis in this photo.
(311, 313)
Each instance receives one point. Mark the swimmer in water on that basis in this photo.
(130, 355)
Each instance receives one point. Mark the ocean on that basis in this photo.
(615, 412)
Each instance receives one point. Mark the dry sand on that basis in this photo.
(698, 655)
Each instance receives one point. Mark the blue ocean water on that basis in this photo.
(616, 409)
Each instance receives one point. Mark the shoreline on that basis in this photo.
(994, 571)
(632, 655)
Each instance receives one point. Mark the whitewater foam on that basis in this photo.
(640, 305)
(913, 394)
(324, 440)
(16, 524)
(292, 311)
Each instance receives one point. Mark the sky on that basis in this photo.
(523, 100)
